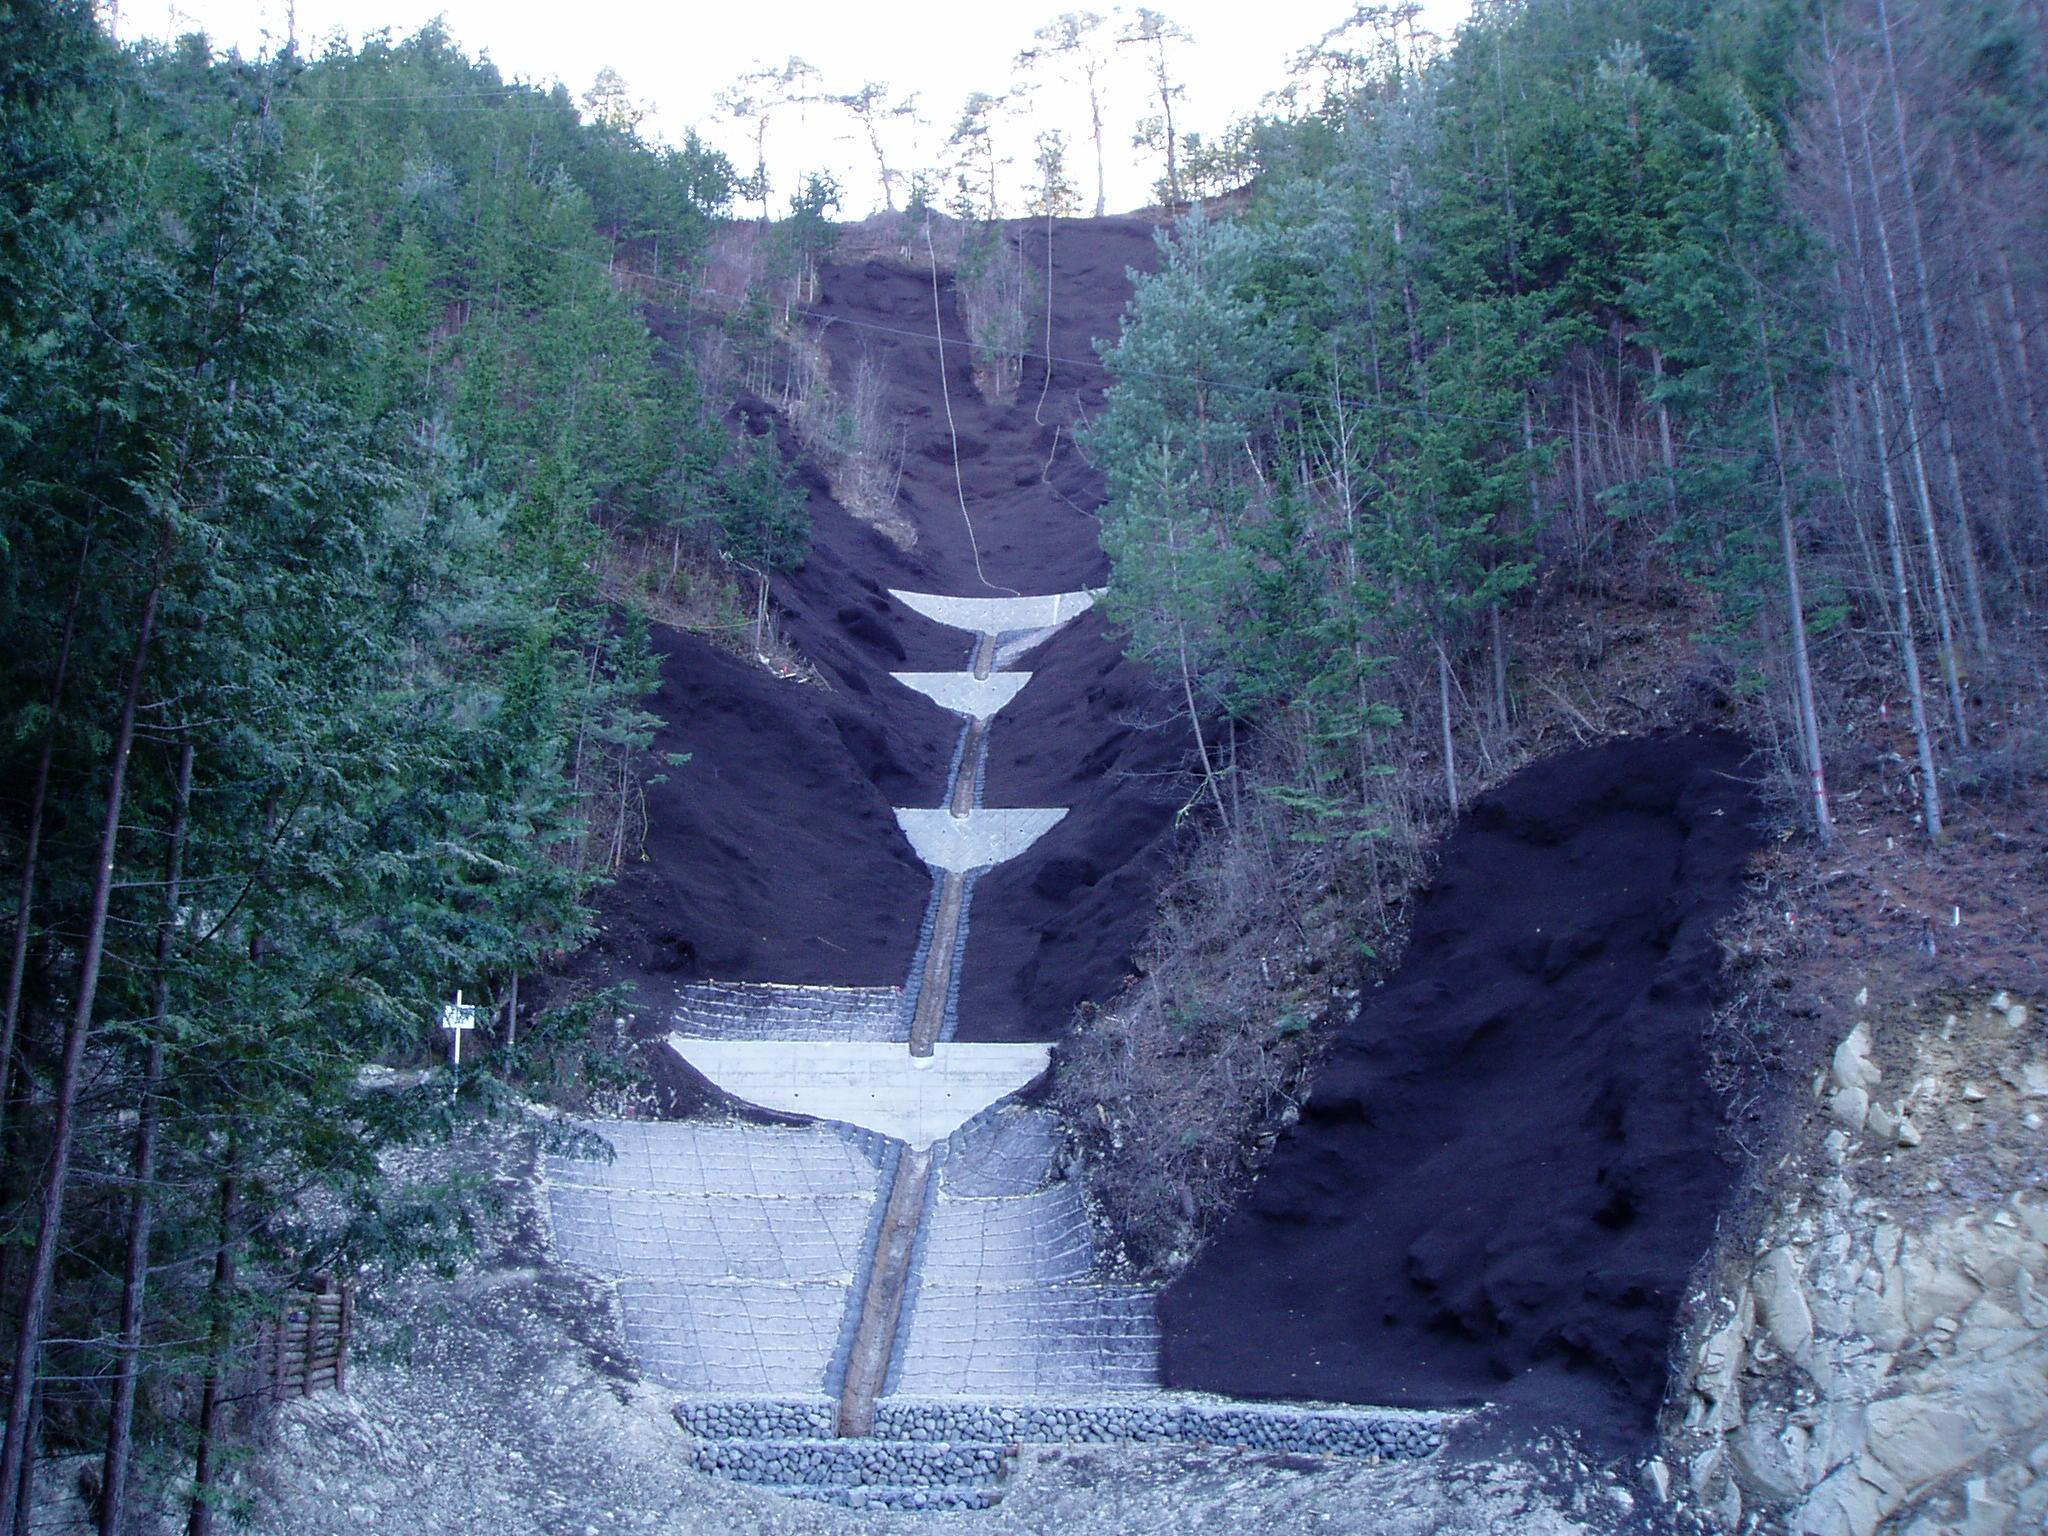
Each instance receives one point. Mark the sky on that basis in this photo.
(676, 57)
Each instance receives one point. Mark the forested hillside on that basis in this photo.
(337, 467)
(1613, 366)
(384, 443)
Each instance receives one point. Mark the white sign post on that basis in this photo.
(455, 1018)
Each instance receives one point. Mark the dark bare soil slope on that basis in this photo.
(771, 855)
(1511, 1159)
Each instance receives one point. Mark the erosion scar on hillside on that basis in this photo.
(1511, 1159)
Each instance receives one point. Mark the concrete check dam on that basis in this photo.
(872, 1307)
(858, 1264)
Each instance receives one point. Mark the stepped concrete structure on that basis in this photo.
(871, 1307)
(961, 844)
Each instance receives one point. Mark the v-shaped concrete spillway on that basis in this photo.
(916, 1100)
(978, 698)
(1010, 1301)
(923, 1094)
(960, 844)
(997, 615)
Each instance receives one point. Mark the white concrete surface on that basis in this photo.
(879, 1087)
(997, 615)
(983, 837)
(965, 694)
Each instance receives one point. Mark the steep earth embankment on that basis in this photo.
(1511, 1160)
(771, 854)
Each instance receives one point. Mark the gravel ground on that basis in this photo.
(502, 1403)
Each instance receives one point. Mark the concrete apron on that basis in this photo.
(871, 1309)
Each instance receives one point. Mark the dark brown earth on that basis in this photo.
(1512, 1158)
(771, 854)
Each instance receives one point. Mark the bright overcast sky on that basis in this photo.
(676, 58)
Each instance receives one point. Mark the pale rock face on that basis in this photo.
(1851, 1106)
(1885, 1366)
(1852, 1066)
(1917, 1440)
(1775, 1462)
(1782, 1305)
(1931, 1290)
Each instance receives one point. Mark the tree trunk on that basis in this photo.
(1187, 685)
(2016, 338)
(1966, 552)
(1944, 624)
(1909, 653)
(141, 1205)
(1664, 453)
(24, 1487)
(1095, 117)
(1795, 601)
(1581, 525)
(28, 1339)
(213, 1392)
(1045, 385)
(1499, 648)
(1443, 703)
(1172, 140)
(39, 795)
(2006, 532)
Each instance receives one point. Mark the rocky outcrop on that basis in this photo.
(1879, 1358)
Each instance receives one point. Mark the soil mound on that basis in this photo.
(1511, 1160)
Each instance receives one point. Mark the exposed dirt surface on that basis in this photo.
(1512, 1158)
(1054, 926)
(771, 854)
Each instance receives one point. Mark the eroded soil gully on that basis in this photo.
(775, 855)
(772, 855)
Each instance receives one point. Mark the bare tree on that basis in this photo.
(1073, 41)
(1152, 33)
(754, 99)
(610, 103)
(978, 161)
(873, 108)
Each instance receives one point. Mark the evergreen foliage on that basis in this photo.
(1560, 289)
(329, 402)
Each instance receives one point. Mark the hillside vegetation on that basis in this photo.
(1615, 366)
(1608, 367)
(339, 470)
